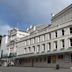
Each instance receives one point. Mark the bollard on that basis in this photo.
(57, 66)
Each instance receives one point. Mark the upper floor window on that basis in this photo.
(28, 42)
(70, 30)
(55, 45)
(43, 37)
(34, 48)
(62, 32)
(63, 45)
(37, 39)
(49, 46)
(56, 34)
(38, 48)
(29, 49)
(71, 42)
(43, 47)
(25, 43)
(32, 40)
(25, 50)
(49, 35)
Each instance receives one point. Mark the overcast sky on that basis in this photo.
(28, 12)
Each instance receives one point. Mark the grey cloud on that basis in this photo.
(31, 10)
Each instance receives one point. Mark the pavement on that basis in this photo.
(30, 69)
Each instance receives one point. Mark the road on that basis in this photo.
(30, 69)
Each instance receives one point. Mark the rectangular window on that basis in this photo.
(53, 59)
(49, 59)
(25, 43)
(49, 35)
(71, 42)
(32, 40)
(43, 47)
(60, 56)
(63, 45)
(34, 48)
(29, 49)
(56, 34)
(49, 46)
(38, 39)
(62, 32)
(71, 57)
(25, 50)
(40, 59)
(70, 30)
(55, 45)
(29, 42)
(43, 37)
(38, 48)
(44, 59)
(36, 59)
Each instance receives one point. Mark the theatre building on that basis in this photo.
(49, 44)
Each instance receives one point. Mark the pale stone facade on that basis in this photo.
(14, 35)
(48, 45)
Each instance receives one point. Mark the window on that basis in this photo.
(56, 34)
(32, 40)
(43, 37)
(29, 49)
(49, 59)
(43, 47)
(29, 41)
(53, 59)
(62, 32)
(44, 59)
(70, 30)
(40, 59)
(25, 43)
(63, 45)
(71, 42)
(25, 50)
(60, 56)
(38, 39)
(36, 59)
(38, 48)
(34, 48)
(55, 45)
(71, 57)
(29, 59)
(67, 58)
(49, 35)
(49, 46)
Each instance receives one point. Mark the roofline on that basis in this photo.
(62, 11)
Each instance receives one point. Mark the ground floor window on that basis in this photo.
(67, 58)
(40, 59)
(71, 57)
(60, 56)
(44, 59)
(36, 59)
(49, 59)
(53, 59)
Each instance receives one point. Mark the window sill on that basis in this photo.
(70, 48)
(62, 49)
(55, 50)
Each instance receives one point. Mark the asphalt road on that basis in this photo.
(30, 69)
